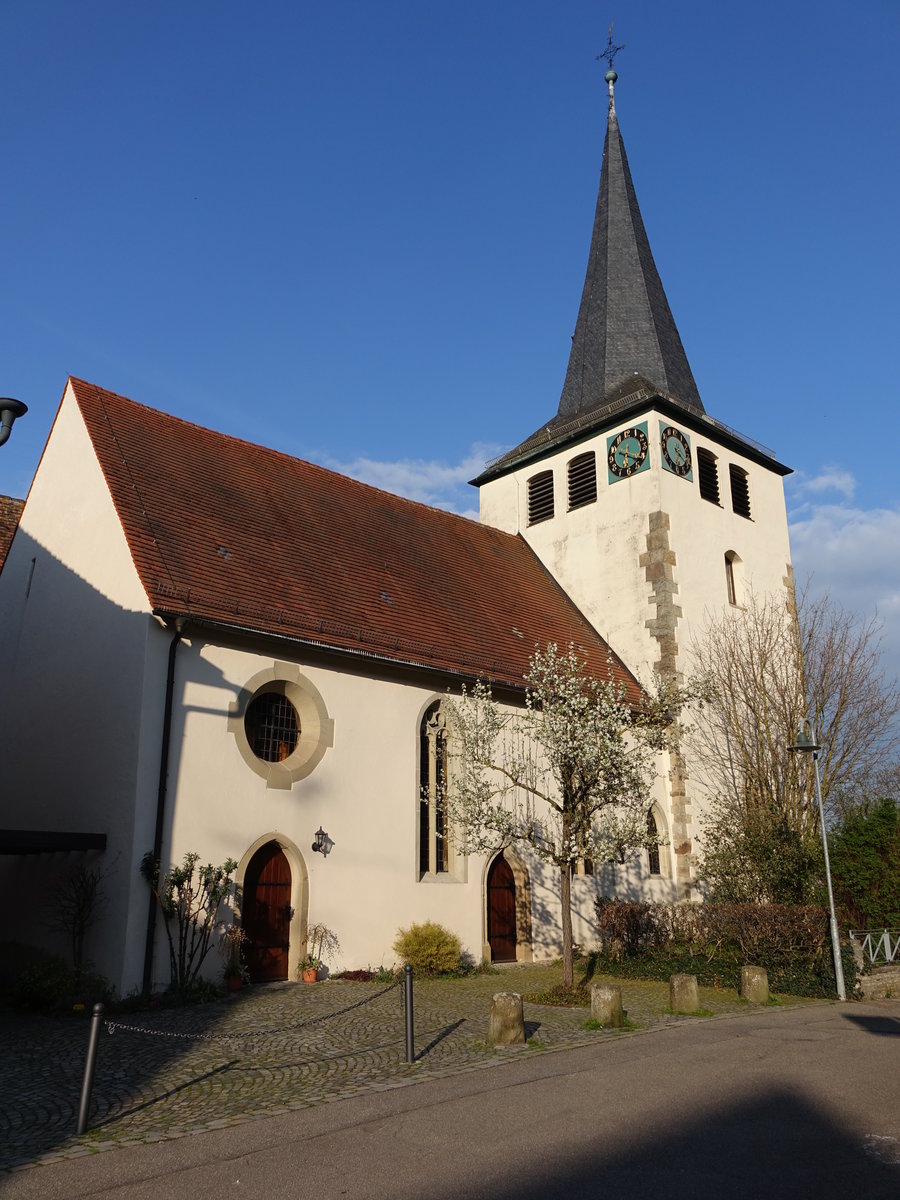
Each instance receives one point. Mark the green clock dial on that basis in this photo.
(676, 450)
(627, 452)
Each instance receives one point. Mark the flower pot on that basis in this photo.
(234, 983)
(310, 974)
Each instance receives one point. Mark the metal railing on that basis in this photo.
(879, 946)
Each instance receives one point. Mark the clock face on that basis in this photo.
(676, 451)
(628, 452)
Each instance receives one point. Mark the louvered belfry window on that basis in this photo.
(540, 497)
(708, 471)
(582, 480)
(740, 491)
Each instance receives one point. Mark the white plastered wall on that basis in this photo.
(363, 793)
(80, 698)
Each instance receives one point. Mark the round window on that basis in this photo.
(272, 727)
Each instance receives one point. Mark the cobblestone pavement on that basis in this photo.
(167, 1073)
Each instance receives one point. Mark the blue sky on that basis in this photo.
(358, 231)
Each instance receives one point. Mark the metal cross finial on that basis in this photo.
(611, 50)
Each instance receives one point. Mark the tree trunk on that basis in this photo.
(565, 896)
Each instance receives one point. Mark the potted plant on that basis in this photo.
(320, 942)
(231, 946)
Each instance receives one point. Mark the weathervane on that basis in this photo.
(611, 51)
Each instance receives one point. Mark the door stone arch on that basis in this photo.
(299, 893)
(512, 866)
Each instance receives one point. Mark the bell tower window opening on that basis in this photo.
(582, 473)
(740, 491)
(540, 497)
(708, 472)
(729, 577)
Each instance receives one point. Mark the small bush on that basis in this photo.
(51, 984)
(713, 941)
(430, 949)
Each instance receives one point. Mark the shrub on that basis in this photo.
(49, 983)
(712, 941)
(430, 949)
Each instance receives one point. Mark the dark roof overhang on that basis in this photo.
(556, 434)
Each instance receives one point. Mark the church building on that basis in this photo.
(212, 647)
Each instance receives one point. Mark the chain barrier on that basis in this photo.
(122, 1026)
(404, 985)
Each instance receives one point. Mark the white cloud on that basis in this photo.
(441, 484)
(853, 554)
(829, 479)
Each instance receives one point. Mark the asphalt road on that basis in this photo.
(794, 1103)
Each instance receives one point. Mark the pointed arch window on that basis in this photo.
(435, 850)
(653, 844)
(582, 475)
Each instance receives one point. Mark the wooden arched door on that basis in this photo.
(266, 913)
(501, 910)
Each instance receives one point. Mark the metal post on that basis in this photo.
(835, 936)
(408, 1012)
(90, 1064)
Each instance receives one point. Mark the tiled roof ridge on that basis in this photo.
(259, 448)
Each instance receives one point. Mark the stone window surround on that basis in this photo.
(316, 727)
(457, 870)
(662, 829)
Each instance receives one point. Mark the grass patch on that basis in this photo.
(561, 996)
(698, 1012)
(627, 1023)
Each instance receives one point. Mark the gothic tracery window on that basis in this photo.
(434, 836)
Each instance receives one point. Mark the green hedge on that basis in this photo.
(713, 942)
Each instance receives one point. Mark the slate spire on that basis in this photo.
(625, 326)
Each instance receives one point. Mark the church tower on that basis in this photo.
(650, 513)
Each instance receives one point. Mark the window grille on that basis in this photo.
(540, 497)
(740, 491)
(272, 727)
(708, 471)
(582, 480)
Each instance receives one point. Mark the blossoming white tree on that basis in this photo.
(569, 775)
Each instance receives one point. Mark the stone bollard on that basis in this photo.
(606, 1005)
(507, 1023)
(755, 985)
(684, 996)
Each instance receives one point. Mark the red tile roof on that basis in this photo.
(10, 511)
(230, 532)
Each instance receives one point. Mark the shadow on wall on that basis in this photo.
(82, 688)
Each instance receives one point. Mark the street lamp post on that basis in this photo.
(808, 745)
(9, 410)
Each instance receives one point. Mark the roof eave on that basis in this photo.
(584, 427)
